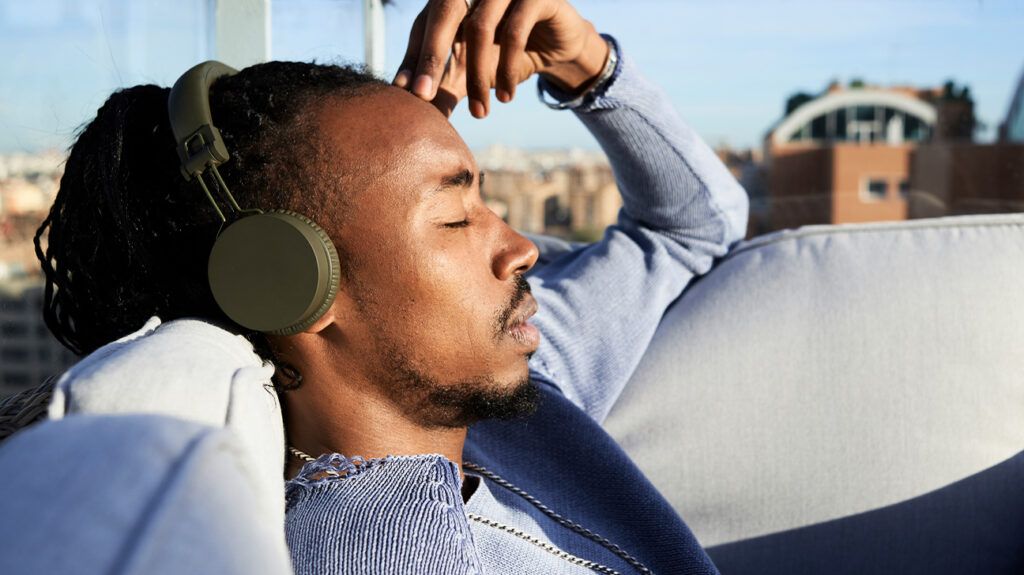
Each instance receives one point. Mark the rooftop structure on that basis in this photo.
(844, 155)
(860, 115)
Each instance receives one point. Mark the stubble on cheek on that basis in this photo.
(433, 369)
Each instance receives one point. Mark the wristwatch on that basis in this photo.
(606, 74)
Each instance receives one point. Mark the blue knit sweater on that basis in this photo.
(555, 493)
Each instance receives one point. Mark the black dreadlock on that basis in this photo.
(128, 238)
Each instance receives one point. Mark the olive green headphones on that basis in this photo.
(274, 272)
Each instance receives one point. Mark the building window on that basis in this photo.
(555, 214)
(11, 329)
(14, 354)
(13, 305)
(876, 189)
(904, 188)
(15, 379)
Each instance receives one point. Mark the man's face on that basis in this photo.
(435, 306)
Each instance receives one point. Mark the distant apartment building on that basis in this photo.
(28, 352)
(747, 167)
(844, 156)
(28, 185)
(566, 193)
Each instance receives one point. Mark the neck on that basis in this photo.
(337, 409)
(365, 426)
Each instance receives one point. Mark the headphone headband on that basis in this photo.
(199, 142)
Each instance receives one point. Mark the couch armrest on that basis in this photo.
(133, 494)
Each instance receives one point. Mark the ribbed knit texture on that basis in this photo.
(393, 515)
(599, 307)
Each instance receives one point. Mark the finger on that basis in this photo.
(412, 51)
(453, 82)
(446, 101)
(513, 38)
(443, 19)
(481, 52)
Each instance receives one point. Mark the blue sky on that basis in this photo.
(728, 65)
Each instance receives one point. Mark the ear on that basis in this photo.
(325, 320)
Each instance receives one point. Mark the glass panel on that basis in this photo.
(840, 124)
(818, 128)
(865, 113)
(62, 58)
(329, 31)
(724, 109)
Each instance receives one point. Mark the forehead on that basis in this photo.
(390, 140)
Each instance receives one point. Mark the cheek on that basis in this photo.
(432, 296)
(414, 282)
(452, 302)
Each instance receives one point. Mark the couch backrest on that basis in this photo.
(191, 370)
(825, 382)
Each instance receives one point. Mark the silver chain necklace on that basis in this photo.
(567, 523)
(564, 522)
(596, 567)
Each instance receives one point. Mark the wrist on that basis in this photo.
(578, 74)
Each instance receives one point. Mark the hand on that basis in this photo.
(500, 44)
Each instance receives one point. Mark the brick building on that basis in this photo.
(844, 156)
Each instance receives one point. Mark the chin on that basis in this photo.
(460, 401)
(470, 402)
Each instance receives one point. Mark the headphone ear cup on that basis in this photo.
(275, 272)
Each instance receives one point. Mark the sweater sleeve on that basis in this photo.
(682, 209)
(393, 515)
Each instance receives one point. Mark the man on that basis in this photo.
(446, 318)
(444, 411)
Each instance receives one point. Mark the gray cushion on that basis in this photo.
(824, 391)
(192, 370)
(133, 494)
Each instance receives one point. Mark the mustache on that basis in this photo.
(522, 289)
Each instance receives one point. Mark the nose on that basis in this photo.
(516, 254)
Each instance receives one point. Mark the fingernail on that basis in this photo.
(423, 86)
(503, 96)
(476, 107)
(402, 79)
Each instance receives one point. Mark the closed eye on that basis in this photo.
(460, 224)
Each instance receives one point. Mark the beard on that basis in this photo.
(460, 403)
(433, 404)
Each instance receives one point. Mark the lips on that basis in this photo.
(518, 328)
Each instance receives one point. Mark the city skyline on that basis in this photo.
(729, 66)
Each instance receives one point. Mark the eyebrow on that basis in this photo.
(462, 179)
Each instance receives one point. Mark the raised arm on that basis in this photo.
(600, 305)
